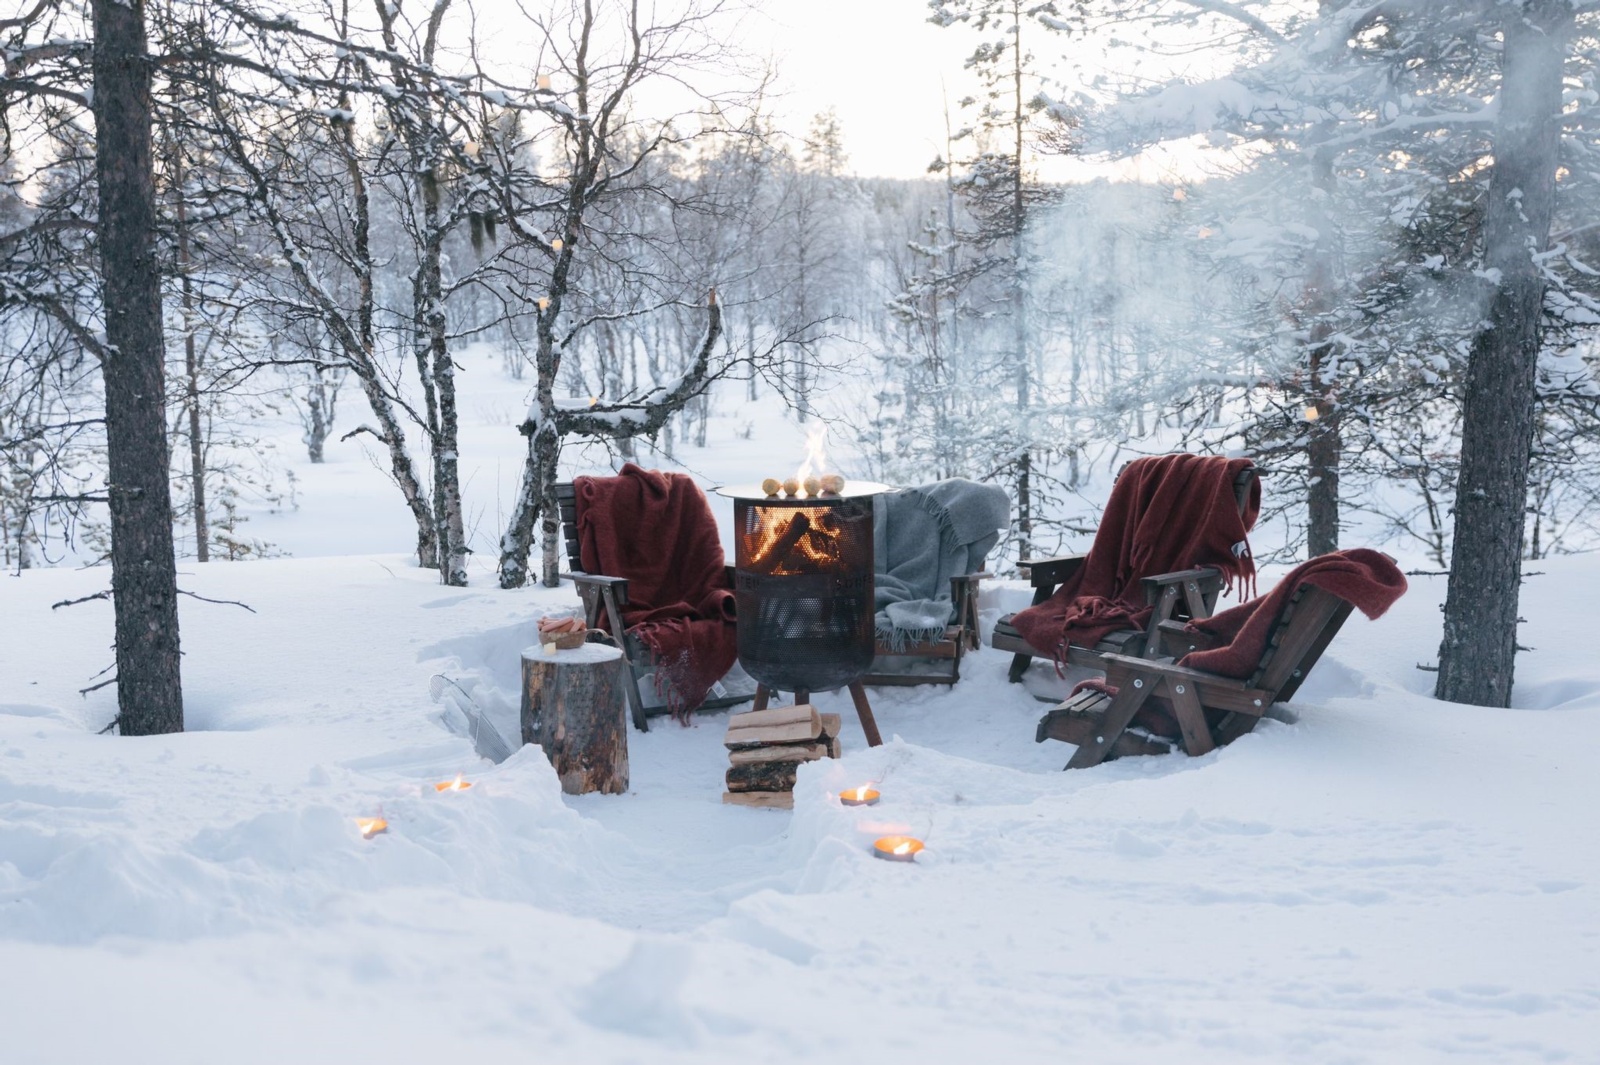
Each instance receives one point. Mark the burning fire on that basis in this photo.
(453, 785)
(903, 848)
(786, 542)
(371, 826)
(809, 481)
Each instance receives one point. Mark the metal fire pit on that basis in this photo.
(803, 583)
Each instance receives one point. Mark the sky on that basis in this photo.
(879, 63)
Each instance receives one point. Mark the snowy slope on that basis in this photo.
(1384, 879)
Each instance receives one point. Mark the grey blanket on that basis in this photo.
(921, 538)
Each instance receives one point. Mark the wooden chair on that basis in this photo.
(1210, 710)
(1181, 596)
(960, 637)
(603, 599)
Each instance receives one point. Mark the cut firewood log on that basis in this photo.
(831, 724)
(770, 735)
(777, 715)
(772, 800)
(797, 752)
(762, 776)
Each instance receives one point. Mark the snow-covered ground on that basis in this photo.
(1376, 877)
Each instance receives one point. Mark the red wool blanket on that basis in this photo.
(1165, 514)
(656, 529)
(1369, 579)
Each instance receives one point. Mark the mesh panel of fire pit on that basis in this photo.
(803, 581)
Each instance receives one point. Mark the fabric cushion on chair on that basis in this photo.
(922, 537)
(657, 530)
(1165, 514)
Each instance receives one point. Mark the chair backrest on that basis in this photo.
(567, 504)
(1303, 630)
(1241, 484)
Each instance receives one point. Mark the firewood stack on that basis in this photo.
(766, 747)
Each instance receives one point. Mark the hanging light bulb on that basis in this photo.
(544, 83)
(557, 244)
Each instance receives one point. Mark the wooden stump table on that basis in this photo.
(574, 707)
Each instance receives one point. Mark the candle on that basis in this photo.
(557, 244)
(371, 826)
(544, 82)
(1312, 414)
(453, 785)
(897, 848)
(862, 796)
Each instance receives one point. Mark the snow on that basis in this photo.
(1370, 876)
(1381, 878)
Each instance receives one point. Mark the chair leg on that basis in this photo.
(635, 702)
(1019, 666)
(869, 725)
(762, 695)
(1191, 718)
(1131, 695)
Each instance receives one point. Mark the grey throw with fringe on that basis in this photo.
(922, 537)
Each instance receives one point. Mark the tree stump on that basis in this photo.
(574, 707)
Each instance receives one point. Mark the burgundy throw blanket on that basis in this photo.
(1165, 514)
(656, 529)
(1367, 578)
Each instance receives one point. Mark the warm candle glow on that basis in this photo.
(544, 82)
(557, 244)
(1312, 414)
(544, 303)
(371, 826)
(453, 785)
(862, 796)
(897, 848)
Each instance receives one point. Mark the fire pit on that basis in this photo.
(803, 583)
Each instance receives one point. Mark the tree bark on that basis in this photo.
(575, 708)
(143, 573)
(1478, 652)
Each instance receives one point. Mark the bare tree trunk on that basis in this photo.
(1324, 448)
(1478, 652)
(191, 369)
(143, 572)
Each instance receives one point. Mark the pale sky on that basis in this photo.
(879, 64)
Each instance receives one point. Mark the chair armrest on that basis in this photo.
(1199, 573)
(1049, 572)
(619, 585)
(1171, 671)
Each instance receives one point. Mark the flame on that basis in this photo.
(817, 547)
(371, 826)
(454, 785)
(903, 848)
(816, 463)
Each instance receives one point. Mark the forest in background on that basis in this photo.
(345, 197)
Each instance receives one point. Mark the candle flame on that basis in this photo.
(903, 848)
(371, 826)
(458, 784)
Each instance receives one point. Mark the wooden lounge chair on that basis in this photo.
(1210, 710)
(960, 637)
(603, 599)
(1181, 596)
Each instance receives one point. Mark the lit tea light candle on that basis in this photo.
(862, 796)
(1312, 414)
(897, 848)
(557, 244)
(453, 785)
(371, 826)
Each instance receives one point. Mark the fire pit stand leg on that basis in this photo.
(858, 695)
(869, 725)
